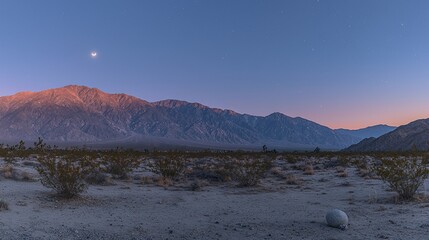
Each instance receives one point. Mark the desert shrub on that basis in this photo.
(342, 172)
(316, 150)
(403, 175)
(12, 153)
(99, 178)
(308, 170)
(119, 162)
(248, 170)
(164, 182)
(197, 185)
(343, 161)
(3, 205)
(292, 159)
(7, 170)
(277, 171)
(213, 170)
(66, 174)
(223, 170)
(146, 180)
(171, 166)
(30, 163)
(25, 176)
(291, 179)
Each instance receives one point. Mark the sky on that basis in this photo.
(340, 63)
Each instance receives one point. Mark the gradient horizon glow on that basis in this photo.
(340, 63)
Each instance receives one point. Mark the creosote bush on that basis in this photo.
(171, 166)
(66, 174)
(403, 175)
(248, 170)
(120, 162)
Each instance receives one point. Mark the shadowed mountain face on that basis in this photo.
(406, 137)
(373, 131)
(82, 114)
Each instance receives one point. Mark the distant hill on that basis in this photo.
(372, 131)
(78, 114)
(403, 138)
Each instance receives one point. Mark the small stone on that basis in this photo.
(337, 219)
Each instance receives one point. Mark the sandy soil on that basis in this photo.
(272, 210)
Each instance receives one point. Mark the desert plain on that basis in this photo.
(289, 202)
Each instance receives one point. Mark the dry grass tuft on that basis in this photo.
(277, 171)
(99, 178)
(145, 180)
(197, 185)
(7, 171)
(308, 170)
(342, 172)
(292, 179)
(3, 205)
(164, 182)
(27, 177)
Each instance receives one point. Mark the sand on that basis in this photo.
(272, 210)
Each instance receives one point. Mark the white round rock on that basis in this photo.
(337, 219)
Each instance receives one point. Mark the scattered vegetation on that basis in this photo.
(68, 171)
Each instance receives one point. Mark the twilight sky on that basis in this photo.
(340, 63)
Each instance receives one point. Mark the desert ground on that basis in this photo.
(290, 202)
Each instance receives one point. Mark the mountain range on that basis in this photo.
(79, 114)
(414, 135)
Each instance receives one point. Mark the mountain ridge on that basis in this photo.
(414, 135)
(371, 131)
(81, 114)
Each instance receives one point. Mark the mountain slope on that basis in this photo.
(372, 131)
(406, 137)
(82, 114)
